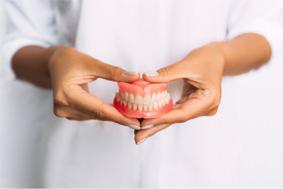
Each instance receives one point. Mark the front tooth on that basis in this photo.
(135, 107)
(150, 107)
(157, 96)
(145, 107)
(129, 105)
(153, 97)
(161, 95)
(159, 104)
(146, 99)
(140, 107)
(132, 98)
(138, 99)
(155, 106)
(162, 103)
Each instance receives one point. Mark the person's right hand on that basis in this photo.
(70, 73)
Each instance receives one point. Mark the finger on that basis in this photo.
(166, 74)
(114, 73)
(85, 102)
(141, 135)
(174, 116)
(169, 73)
(72, 114)
(193, 107)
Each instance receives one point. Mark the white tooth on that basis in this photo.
(167, 94)
(162, 102)
(146, 99)
(140, 107)
(129, 105)
(126, 96)
(145, 107)
(124, 103)
(164, 93)
(150, 107)
(132, 98)
(161, 95)
(167, 97)
(157, 96)
(135, 107)
(153, 97)
(155, 106)
(159, 104)
(138, 99)
(166, 100)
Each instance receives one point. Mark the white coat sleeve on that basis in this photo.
(28, 22)
(264, 17)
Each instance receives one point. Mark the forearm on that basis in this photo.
(30, 63)
(244, 53)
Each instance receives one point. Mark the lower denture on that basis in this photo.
(142, 99)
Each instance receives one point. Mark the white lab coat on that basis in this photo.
(142, 36)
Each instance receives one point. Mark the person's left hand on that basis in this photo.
(202, 72)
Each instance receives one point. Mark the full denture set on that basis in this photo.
(142, 99)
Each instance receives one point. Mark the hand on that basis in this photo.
(202, 72)
(70, 73)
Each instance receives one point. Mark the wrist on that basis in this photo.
(218, 53)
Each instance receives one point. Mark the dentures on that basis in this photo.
(142, 99)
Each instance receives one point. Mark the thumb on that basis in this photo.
(165, 74)
(114, 73)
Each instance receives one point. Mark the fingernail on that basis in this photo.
(141, 141)
(135, 127)
(152, 74)
(147, 127)
(130, 73)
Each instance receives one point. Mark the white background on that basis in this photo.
(261, 95)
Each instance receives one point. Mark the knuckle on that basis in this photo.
(212, 112)
(59, 98)
(164, 71)
(58, 111)
(214, 98)
(99, 113)
(115, 72)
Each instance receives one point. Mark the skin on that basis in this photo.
(68, 73)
